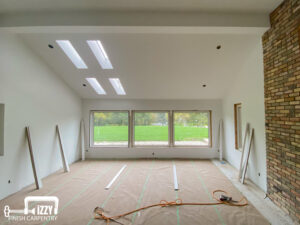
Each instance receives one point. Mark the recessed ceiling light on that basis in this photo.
(96, 85)
(116, 83)
(100, 54)
(71, 52)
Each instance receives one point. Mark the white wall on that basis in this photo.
(248, 89)
(143, 152)
(33, 95)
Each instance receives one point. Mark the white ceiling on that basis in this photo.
(151, 66)
(257, 6)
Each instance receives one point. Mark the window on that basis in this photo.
(238, 125)
(151, 128)
(110, 128)
(143, 128)
(191, 128)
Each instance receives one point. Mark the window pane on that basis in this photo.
(110, 128)
(191, 128)
(151, 128)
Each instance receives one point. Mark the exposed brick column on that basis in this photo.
(281, 46)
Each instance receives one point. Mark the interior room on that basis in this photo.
(150, 112)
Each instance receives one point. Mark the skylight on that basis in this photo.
(71, 52)
(96, 85)
(100, 54)
(116, 83)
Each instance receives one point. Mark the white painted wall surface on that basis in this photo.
(159, 152)
(34, 96)
(248, 89)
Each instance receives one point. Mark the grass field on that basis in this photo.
(148, 133)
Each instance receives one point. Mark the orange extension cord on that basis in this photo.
(99, 213)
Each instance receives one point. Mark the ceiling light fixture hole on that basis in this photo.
(204, 85)
(219, 47)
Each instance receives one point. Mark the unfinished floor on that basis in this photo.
(143, 182)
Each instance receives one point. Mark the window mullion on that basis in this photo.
(131, 135)
(171, 129)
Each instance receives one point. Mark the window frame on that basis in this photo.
(209, 112)
(133, 128)
(236, 142)
(91, 130)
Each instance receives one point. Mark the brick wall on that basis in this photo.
(281, 46)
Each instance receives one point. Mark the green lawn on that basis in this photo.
(148, 133)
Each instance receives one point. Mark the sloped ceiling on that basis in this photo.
(151, 66)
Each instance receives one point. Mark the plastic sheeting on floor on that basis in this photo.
(142, 183)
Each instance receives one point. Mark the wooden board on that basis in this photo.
(246, 157)
(243, 149)
(115, 177)
(63, 156)
(175, 178)
(38, 182)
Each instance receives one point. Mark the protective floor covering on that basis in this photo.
(143, 182)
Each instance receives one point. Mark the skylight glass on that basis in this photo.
(116, 83)
(71, 52)
(96, 85)
(100, 54)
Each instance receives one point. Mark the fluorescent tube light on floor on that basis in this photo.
(71, 52)
(116, 83)
(100, 54)
(96, 85)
